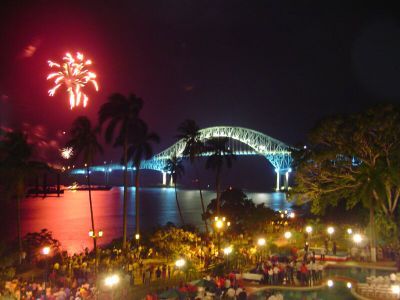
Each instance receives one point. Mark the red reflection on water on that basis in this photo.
(68, 217)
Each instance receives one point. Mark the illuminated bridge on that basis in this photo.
(242, 141)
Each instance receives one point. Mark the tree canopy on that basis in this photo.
(241, 211)
(352, 158)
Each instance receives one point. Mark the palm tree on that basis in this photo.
(84, 142)
(16, 167)
(175, 167)
(122, 112)
(189, 131)
(220, 155)
(140, 148)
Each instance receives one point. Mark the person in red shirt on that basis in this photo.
(304, 272)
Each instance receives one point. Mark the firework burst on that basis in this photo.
(73, 74)
(66, 153)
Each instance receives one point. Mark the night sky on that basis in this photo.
(273, 66)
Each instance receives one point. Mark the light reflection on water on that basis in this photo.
(68, 217)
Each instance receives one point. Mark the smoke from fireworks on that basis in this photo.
(66, 153)
(74, 75)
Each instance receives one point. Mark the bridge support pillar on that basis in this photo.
(278, 178)
(286, 182)
(164, 178)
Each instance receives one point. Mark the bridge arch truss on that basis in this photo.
(275, 151)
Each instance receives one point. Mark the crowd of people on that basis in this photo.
(290, 271)
(80, 276)
(227, 287)
(74, 277)
(32, 290)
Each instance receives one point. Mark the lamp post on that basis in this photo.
(287, 235)
(95, 236)
(137, 238)
(309, 230)
(396, 290)
(357, 238)
(329, 283)
(46, 252)
(110, 282)
(330, 231)
(261, 243)
(349, 285)
(220, 224)
(179, 263)
(227, 251)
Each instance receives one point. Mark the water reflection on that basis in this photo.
(68, 217)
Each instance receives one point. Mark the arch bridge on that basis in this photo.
(242, 141)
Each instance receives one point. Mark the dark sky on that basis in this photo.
(273, 66)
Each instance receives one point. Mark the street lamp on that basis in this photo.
(288, 235)
(220, 224)
(111, 281)
(179, 263)
(329, 283)
(330, 231)
(227, 251)
(349, 231)
(99, 234)
(95, 236)
(261, 243)
(309, 230)
(349, 285)
(357, 238)
(46, 252)
(396, 290)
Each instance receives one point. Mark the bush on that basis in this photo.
(33, 242)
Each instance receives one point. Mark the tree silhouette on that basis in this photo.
(175, 167)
